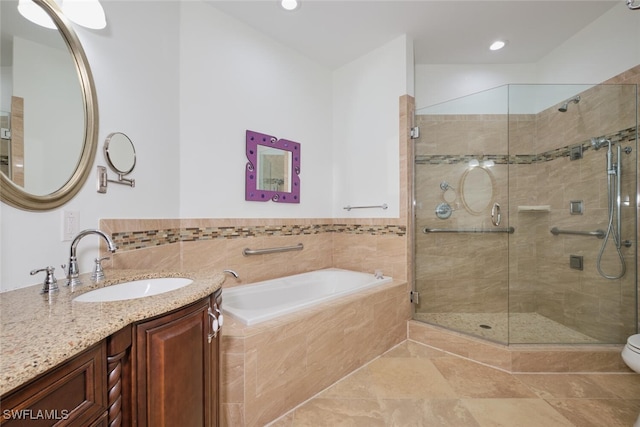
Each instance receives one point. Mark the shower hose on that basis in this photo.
(611, 232)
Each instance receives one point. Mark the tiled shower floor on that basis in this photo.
(521, 328)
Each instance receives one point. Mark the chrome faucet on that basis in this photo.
(73, 272)
(231, 272)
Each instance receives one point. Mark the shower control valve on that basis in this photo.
(443, 210)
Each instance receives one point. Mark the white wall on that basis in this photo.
(6, 81)
(366, 130)
(136, 76)
(185, 90)
(607, 47)
(437, 83)
(610, 45)
(235, 79)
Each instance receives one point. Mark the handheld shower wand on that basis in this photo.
(610, 169)
(613, 207)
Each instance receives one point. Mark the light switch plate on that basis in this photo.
(70, 225)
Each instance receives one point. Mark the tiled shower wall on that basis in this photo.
(459, 273)
(528, 271)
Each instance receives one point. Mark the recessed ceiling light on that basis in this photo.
(289, 4)
(497, 45)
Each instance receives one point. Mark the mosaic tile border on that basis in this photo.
(131, 240)
(624, 136)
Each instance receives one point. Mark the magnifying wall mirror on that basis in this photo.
(49, 120)
(120, 153)
(121, 158)
(273, 170)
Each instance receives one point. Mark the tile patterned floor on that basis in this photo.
(416, 385)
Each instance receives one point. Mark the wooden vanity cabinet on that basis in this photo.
(159, 372)
(176, 368)
(72, 394)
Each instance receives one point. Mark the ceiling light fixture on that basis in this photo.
(289, 4)
(497, 45)
(87, 13)
(35, 14)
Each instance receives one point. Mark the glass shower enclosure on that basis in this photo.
(525, 214)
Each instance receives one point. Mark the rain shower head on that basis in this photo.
(565, 106)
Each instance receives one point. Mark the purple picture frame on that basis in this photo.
(252, 193)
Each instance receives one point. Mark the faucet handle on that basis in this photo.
(50, 283)
(98, 273)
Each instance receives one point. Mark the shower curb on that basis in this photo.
(521, 358)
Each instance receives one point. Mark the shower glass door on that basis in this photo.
(495, 173)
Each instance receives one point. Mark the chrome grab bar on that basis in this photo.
(248, 251)
(508, 230)
(598, 233)
(382, 206)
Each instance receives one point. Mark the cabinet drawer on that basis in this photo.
(72, 394)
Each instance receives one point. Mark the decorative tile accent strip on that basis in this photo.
(439, 159)
(621, 137)
(376, 230)
(131, 240)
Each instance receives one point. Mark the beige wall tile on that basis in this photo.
(290, 359)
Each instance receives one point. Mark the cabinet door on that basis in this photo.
(173, 371)
(72, 394)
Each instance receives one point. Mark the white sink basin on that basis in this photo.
(134, 289)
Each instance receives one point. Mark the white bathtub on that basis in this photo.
(260, 301)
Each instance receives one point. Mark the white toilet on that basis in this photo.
(631, 353)
(631, 356)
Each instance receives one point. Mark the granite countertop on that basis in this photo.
(40, 331)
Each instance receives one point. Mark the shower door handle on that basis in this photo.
(495, 214)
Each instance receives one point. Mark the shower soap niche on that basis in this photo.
(534, 208)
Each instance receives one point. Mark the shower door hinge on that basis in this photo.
(415, 132)
(414, 297)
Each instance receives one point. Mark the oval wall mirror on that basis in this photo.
(46, 153)
(477, 186)
(120, 153)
